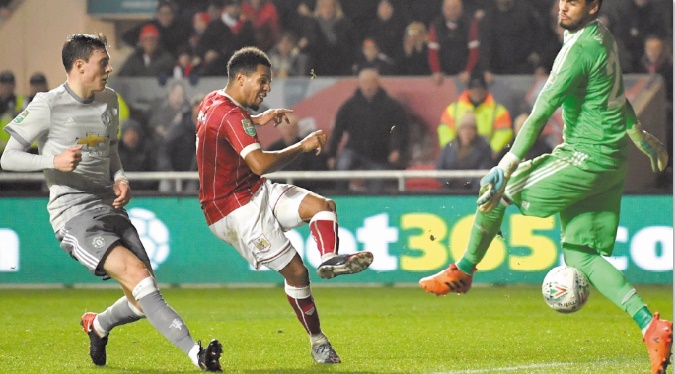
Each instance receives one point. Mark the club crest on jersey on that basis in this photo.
(106, 117)
(21, 116)
(98, 241)
(249, 127)
(262, 243)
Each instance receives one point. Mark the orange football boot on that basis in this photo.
(446, 281)
(659, 338)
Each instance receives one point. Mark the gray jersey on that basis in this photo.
(58, 120)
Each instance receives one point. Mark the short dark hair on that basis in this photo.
(81, 46)
(246, 60)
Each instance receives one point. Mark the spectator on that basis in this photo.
(36, 84)
(174, 32)
(449, 41)
(263, 15)
(424, 11)
(632, 22)
(493, 120)
(414, 60)
(656, 61)
(331, 41)
(377, 126)
(510, 38)
(11, 104)
(471, 7)
(372, 58)
(165, 120)
(149, 59)
(187, 66)
(292, 134)
(360, 14)
(5, 10)
(287, 59)
(215, 9)
(176, 151)
(296, 16)
(468, 151)
(231, 31)
(200, 21)
(135, 152)
(387, 29)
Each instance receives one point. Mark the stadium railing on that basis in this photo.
(181, 177)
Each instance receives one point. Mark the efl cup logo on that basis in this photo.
(153, 233)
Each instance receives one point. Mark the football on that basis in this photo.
(565, 289)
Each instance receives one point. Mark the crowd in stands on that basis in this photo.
(471, 39)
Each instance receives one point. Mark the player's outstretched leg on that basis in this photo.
(659, 339)
(447, 281)
(97, 344)
(345, 264)
(209, 358)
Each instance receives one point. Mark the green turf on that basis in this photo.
(374, 330)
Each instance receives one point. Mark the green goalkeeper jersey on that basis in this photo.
(586, 81)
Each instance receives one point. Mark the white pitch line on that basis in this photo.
(509, 368)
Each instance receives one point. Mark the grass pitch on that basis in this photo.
(375, 330)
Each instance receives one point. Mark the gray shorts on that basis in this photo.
(89, 236)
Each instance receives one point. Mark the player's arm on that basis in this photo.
(270, 115)
(645, 141)
(264, 162)
(120, 182)
(568, 75)
(26, 128)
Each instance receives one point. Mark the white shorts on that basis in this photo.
(256, 230)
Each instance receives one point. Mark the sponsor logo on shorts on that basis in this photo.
(98, 242)
(261, 243)
(249, 128)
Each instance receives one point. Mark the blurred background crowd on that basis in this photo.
(472, 41)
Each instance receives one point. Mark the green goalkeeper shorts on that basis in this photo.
(588, 202)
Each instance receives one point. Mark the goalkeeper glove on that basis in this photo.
(649, 145)
(494, 183)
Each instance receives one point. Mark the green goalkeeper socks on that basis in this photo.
(609, 281)
(484, 229)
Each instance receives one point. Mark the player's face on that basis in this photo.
(575, 14)
(257, 86)
(96, 70)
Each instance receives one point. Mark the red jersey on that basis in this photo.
(225, 135)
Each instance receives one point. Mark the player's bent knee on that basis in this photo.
(144, 288)
(330, 205)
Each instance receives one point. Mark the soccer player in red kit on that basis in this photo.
(251, 213)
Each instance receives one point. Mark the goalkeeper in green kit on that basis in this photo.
(582, 179)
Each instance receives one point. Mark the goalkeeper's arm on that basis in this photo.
(646, 142)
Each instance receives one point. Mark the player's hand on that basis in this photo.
(122, 191)
(314, 142)
(650, 146)
(68, 159)
(275, 116)
(494, 183)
